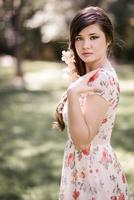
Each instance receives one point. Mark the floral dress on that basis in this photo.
(95, 173)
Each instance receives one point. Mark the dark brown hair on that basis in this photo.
(85, 17)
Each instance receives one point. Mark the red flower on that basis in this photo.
(123, 178)
(93, 78)
(86, 151)
(76, 194)
(104, 121)
(121, 197)
(113, 198)
(118, 88)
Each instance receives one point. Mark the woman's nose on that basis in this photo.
(86, 44)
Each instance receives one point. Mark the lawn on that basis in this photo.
(31, 151)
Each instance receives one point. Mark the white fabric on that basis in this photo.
(95, 172)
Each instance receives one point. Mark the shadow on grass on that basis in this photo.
(10, 196)
(124, 128)
(30, 150)
(123, 138)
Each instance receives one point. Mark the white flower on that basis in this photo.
(68, 57)
(70, 70)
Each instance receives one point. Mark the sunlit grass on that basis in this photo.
(31, 151)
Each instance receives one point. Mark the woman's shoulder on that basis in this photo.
(108, 77)
(108, 73)
(105, 77)
(103, 74)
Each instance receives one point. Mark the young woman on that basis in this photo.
(91, 170)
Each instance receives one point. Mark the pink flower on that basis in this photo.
(105, 156)
(70, 159)
(62, 196)
(93, 198)
(74, 176)
(112, 81)
(121, 197)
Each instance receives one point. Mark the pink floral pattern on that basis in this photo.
(95, 172)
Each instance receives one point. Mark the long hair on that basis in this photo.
(85, 17)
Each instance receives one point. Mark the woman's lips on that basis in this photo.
(86, 54)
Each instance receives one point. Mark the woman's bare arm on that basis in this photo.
(83, 126)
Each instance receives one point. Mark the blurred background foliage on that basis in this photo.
(39, 29)
(32, 35)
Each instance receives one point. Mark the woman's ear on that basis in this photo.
(108, 47)
(108, 44)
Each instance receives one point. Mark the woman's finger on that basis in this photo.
(95, 90)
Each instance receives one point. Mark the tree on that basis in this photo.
(12, 11)
(13, 15)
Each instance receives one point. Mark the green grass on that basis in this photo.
(31, 152)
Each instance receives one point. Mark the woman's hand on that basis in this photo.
(81, 86)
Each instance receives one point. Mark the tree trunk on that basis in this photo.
(13, 24)
(19, 71)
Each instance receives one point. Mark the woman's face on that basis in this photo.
(91, 44)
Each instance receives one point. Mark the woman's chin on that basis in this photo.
(89, 60)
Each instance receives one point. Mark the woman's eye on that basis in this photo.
(94, 37)
(78, 38)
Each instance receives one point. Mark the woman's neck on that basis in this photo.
(94, 65)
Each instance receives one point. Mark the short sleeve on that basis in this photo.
(108, 86)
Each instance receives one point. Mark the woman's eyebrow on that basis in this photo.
(93, 34)
(90, 34)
